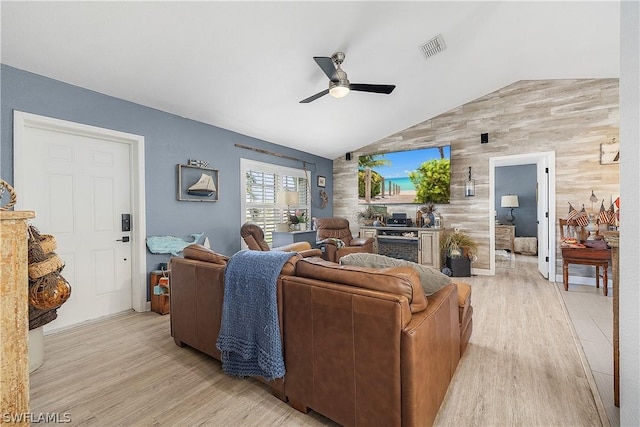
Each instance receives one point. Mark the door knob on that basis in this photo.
(124, 239)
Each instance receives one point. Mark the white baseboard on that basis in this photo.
(579, 280)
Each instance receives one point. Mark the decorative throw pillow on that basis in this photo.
(430, 278)
(338, 242)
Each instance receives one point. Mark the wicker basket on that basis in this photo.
(4, 185)
(48, 243)
(49, 293)
(52, 264)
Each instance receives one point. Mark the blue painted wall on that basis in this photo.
(520, 180)
(169, 140)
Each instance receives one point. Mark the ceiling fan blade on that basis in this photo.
(314, 97)
(327, 66)
(363, 87)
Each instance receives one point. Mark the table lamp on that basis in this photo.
(289, 198)
(510, 201)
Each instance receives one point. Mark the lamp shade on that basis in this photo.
(289, 198)
(509, 201)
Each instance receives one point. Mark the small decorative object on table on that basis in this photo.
(159, 291)
(428, 216)
(592, 220)
(367, 216)
(12, 195)
(298, 217)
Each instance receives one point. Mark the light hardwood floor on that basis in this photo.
(522, 366)
(591, 316)
(127, 370)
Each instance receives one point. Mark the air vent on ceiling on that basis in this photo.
(433, 46)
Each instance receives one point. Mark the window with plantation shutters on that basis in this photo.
(262, 183)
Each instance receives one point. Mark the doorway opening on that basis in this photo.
(545, 206)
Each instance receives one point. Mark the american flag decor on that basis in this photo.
(612, 215)
(603, 216)
(582, 219)
(573, 213)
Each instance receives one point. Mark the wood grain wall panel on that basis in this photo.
(14, 318)
(570, 117)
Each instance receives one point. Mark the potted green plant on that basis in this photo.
(370, 214)
(297, 218)
(459, 249)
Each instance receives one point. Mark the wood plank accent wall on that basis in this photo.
(570, 117)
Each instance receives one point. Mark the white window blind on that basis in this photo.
(262, 183)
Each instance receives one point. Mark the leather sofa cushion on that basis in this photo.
(464, 293)
(395, 280)
(430, 278)
(289, 267)
(201, 253)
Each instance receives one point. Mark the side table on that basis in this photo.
(286, 238)
(160, 303)
(586, 256)
(505, 236)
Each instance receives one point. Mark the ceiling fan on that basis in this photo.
(339, 85)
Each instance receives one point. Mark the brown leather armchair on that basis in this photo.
(331, 231)
(254, 238)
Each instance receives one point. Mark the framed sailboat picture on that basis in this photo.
(197, 184)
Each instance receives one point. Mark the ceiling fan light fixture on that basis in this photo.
(339, 85)
(339, 91)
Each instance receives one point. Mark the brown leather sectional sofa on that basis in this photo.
(362, 346)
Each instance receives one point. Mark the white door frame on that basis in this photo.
(542, 160)
(22, 120)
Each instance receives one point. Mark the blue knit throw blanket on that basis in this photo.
(249, 338)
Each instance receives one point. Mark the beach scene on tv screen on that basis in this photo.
(413, 176)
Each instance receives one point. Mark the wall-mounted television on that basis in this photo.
(405, 177)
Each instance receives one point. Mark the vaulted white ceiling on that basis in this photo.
(244, 66)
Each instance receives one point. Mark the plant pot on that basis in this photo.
(460, 267)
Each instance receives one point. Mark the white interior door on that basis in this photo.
(79, 186)
(542, 194)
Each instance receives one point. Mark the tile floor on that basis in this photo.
(592, 316)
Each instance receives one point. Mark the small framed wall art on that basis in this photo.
(197, 184)
(322, 181)
(610, 152)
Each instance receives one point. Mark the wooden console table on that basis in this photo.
(586, 256)
(423, 244)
